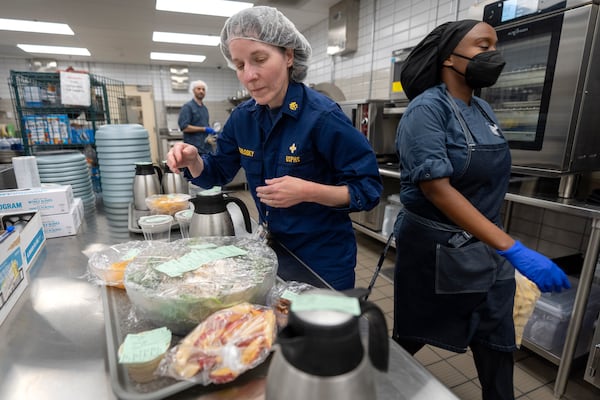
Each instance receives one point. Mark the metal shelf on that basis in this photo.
(373, 234)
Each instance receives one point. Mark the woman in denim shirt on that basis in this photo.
(454, 282)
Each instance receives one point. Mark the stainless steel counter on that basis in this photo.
(53, 344)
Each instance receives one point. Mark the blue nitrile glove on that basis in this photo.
(208, 129)
(536, 267)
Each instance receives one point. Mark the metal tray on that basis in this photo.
(133, 215)
(120, 320)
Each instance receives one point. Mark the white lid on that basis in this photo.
(150, 221)
(560, 304)
(184, 216)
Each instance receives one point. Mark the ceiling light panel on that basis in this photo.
(21, 25)
(220, 8)
(177, 57)
(185, 38)
(73, 51)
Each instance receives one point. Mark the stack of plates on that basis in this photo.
(68, 168)
(118, 148)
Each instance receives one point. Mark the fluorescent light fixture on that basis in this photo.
(176, 57)
(185, 38)
(220, 8)
(22, 25)
(73, 51)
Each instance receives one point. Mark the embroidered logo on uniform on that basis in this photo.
(293, 148)
(246, 152)
(293, 106)
(495, 129)
(292, 159)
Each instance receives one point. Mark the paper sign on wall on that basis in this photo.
(75, 89)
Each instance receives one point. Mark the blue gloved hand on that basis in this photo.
(208, 129)
(536, 267)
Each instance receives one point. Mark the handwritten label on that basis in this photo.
(196, 258)
(75, 89)
(313, 302)
(145, 346)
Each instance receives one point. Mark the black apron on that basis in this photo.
(451, 289)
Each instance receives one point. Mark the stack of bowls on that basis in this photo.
(118, 148)
(68, 168)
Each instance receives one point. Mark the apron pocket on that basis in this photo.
(467, 269)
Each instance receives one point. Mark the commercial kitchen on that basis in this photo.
(62, 330)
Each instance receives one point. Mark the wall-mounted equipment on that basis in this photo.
(180, 77)
(398, 58)
(343, 28)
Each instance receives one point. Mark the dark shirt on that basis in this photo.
(197, 115)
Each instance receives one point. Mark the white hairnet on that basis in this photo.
(268, 25)
(197, 83)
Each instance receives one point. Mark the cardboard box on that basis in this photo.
(29, 232)
(54, 199)
(57, 225)
(17, 253)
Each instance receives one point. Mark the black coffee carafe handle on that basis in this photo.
(379, 346)
(159, 172)
(244, 210)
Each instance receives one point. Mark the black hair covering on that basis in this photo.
(422, 67)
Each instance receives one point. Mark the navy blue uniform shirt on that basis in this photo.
(309, 138)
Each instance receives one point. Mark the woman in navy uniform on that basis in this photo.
(307, 167)
(454, 282)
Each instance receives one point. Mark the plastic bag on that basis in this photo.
(226, 344)
(178, 284)
(107, 264)
(526, 295)
(281, 305)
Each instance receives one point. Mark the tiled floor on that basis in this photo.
(534, 376)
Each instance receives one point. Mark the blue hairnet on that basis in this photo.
(268, 25)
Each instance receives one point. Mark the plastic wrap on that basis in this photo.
(107, 265)
(281, 306)
(526, 296)
(226, 344)
(181, 302)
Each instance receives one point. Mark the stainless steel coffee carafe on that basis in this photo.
(146, 182)
(211, 217)
(172, 182)
(320, 355)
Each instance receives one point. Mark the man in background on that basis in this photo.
(193, 120)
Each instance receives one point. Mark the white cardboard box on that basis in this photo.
(17, 253)
(55, 199)
(67, 224)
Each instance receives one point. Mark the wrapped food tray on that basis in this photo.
(119, 322)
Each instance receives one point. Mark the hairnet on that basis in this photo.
(270, 26)
(422, 67)
(197, 83)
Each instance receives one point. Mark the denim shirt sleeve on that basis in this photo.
(422, 143)
(185, 116)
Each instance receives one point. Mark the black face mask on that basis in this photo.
(483, 70)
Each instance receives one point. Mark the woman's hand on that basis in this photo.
(184, 155)
(287, 191)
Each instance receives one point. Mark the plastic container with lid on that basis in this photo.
(156, 227)
(391, 212)
(548, 324)
(184, 218)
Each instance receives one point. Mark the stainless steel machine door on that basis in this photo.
(538, 99)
